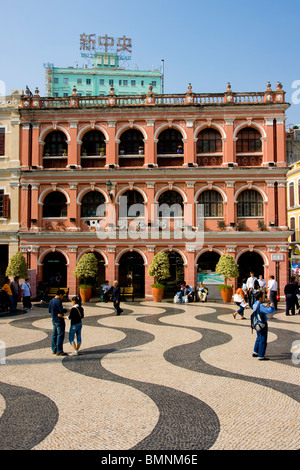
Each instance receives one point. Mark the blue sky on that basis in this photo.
(205, 43)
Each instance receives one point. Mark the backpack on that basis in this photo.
(256, 321)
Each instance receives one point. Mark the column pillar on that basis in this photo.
(34, 202)
(111, 146)
(268, 154)
(73, 147)
(71, 280)
(282, 204)
(24, 206)
(150, 154)
(189, 145)
(25, 133)
(270, 207)
(36, 147)
(281, 142)
(73, 201)
(190, 271)
(229, 144)
(230, 215)
(111, 267)
(149, 280)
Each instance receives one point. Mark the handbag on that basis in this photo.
(237, 298)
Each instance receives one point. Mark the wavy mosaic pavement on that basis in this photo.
(158, 377)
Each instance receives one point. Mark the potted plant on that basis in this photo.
(261, 225)
(160, 270)
(141, 150)
(240, 225)
(17, 266)
(221, 224)
(102, 152)
(86, 269)
(228, 268)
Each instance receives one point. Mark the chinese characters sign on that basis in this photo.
(89, 42)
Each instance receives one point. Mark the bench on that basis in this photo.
(53, 290)
(127, 292)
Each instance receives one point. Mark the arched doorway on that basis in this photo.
(132, 272)
(55, 269)
(206, 272)
(176, 273)
(100, 276)
(250, 261)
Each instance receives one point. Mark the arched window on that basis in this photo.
(209, 141)
(291, 195)
(90, 203)
(248, 141)
(93, 143)
(134, 204)
(170, 204)
(213, 203)
(293, 227)
(250, 204)
(55, 144)
(170, 142)
(55, 205)
(131, 142)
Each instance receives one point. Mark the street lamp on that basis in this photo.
(109, 189)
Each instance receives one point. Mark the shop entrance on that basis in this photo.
(132, 272)
(55, 270)
(176, 273)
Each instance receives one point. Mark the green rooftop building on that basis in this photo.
(98, 78)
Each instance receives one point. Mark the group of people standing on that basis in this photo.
(249, 288)
(16, 292)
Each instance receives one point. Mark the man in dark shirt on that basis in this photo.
(290, 292)
(58, 320)
(116, 297)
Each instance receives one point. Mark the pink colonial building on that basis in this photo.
(97, 174)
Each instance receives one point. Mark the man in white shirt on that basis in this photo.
(26, 294)
(251, 288)
(272, 288)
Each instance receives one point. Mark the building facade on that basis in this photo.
(293, 216)
(9, 178)
(98, 79)
(195, 175)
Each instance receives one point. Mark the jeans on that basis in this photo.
(12, 306)
(241, 309)
(261, 342)
(75, 330)
(58, 336)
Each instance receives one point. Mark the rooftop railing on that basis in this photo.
(189, 98)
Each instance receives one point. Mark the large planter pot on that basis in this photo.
(85, 293)
(226, 295)
(157, 293)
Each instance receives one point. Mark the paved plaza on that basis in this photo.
(161, 376)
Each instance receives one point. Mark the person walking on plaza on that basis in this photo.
(260, 345)
(106, 289)
(116, 296)
(58, 320)
(290, 292)
(239, 299)
(272, 290)
(26, 295)
(15, 289)
(76, 315)
(6, 287)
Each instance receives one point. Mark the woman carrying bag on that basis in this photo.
(239, 299)
(76, 315)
